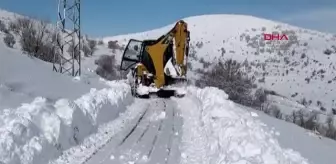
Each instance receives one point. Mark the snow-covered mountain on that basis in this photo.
(303, 67)
(49, 117)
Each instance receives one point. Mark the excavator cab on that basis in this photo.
(158, 63)
(132, 54)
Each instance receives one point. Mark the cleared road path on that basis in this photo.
(153, 137)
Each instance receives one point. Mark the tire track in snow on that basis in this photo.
(145, 131)
(109, 141)
(134, 127)
(175, 138)
(112, 142)
(145, 144)
(170, 141)
(150, 138)
(156, 135)
(161, 149)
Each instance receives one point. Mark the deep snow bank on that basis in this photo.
(215, 130)
(96, 142)
(22, 79)
(37, 132)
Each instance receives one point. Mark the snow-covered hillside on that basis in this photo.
(42, 112)
(302, 67)
(304, 141)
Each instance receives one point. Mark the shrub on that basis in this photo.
(331, 130)
(35, 39)
(20, 24)
(3, 27)
(323, 109)
(312, 122)
(199, 44)
(106, 67)
(89, 48)
(262, 80)
(303, 101)
(303, 55)
(113, 45)
(299, 118)
(276, 112)
(189, 66)
(228, 76)
(333, 110)
(49, 53)
(327, 52)
(87, 51)
(260, 97)
(9, 40)
(100, 42)
(271, 110)
(93, 46)
(74, 51)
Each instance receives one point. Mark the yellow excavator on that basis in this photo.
(158, 65)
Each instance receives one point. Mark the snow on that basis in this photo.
(23, 78)
(143, 133)
(158, 116)
(50, 117)
(36, 132)
(226, 133)
(112, 157)
(306, 142)
(95, 142)
(143, 90)
(253, 114)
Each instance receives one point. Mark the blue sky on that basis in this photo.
(111, 17)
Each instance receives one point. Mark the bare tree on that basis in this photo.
(87, 51)
(106, 67)
(18, 25)
(35, 38)
(228, 76)
(93, 45)
(74, 51)
(89, 48)
(113, 45)
(9, 40)
(260, 97)
(100, 42)
(3, 27)
(331, 130)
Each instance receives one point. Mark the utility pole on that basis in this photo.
(67, 59)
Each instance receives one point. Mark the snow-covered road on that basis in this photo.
(152, 137)
(204, 127)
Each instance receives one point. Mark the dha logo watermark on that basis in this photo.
(275, 37)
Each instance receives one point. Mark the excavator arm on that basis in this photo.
(180, 36)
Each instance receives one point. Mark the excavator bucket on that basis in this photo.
(170, 93)
(165, 93)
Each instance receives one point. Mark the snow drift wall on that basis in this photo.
(215, 131)
(37, 132)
